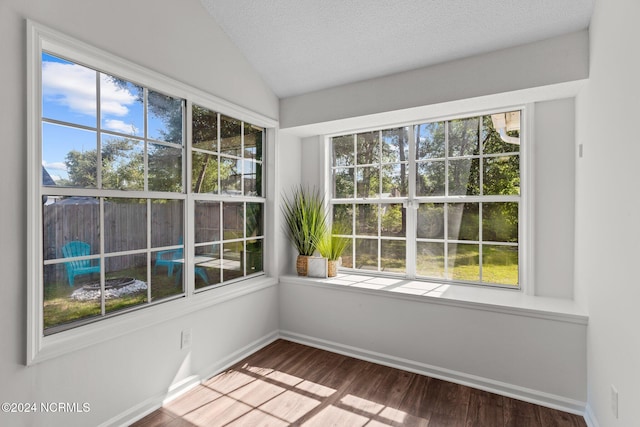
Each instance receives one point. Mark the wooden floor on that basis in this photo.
(291, 384)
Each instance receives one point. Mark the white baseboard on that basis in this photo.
(144, 408)
(590, 417)
(504, 389)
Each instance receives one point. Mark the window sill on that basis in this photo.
(487, 299)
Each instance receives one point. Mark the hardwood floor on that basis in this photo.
(291, 384)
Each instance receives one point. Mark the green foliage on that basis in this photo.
(332, 244)
(305, 219)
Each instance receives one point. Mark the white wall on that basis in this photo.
(177, 39)
(289, 177)
(607, 225)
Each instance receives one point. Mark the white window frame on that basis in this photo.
(526, 220)
(40, 347)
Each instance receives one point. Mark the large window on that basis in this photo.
(438, 200)
(144, 194)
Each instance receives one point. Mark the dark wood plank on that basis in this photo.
(554, 418)
(414, 404)
(485, 410)
(157, 418)
(449, 403)
(520, 414)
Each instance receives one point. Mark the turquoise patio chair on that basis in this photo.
(76, 268)
(167, 259)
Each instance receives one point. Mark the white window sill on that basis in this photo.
(472, 297)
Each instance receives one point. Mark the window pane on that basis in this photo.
(122, 163)
(368, 146)
(464, 262)
(501, 133)
(367, 220)
(347, 255)
(125, 224)
(204, 125)
(343, 183)
(208, 265)
(165, 118)
(342, 150)
(463, 221)
(232, 261)
(125, 282)
(70, 219)
(121, 106)
(167, 276)
(207, 221)
(395, 180)
(367, 254)
(393, 255)
(230, 136)
(368, 181)
(431, 221)
(463, 137)
(430, 259)
(501, 175)
(254, 256)
(69, 155)
(395, 145)
(233, 220)
(430, 141)
(252, 178)
(68, 91)
(167, 222)
(430, 179)
(230, 176)
(343, 218)
(500, 222)
(253, 140)
(394, 221)
(204, 173)
(464, 177)
(165, 168)
(500, 264)
(255, 219)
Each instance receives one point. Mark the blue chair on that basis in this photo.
(76, 268)
(167, 259)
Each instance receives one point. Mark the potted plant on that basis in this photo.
(305, 222)
(331, 245)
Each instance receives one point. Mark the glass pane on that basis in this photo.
(254, 256)
(430, 259)
(230, 136)
(125, 224)
(121, 106)
(431, 221)
(208, 266)
(125, 282)
(367, 254)
(500, 222)
(205, 128)
(167, 274)
(393, 255)
(368, 181)
(165, 118)
(68, 91)
(395, 145)
(253, 140)
(500, 264)
(501, 133)
(395, 180)
(207, 221)
(69, 156)
(464, 262)
(343, 218)
(430, 141)
(463, 221)
(255, 220)
(343, 183)
(167, 222)
(252, 178)
(367, 220)
(165, 168)
(70, 219)
(204, 170)
(430, 179)
(463, 137)
(464, 177)
(230, 177)
(501, 175)
(122, 163)
(233, 220)
(342, 150)
(347, 256)
(394, 220)
(368, 146)
(232, 259)
(61, 303)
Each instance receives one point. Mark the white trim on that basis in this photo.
(527, 202)
(504, 389)
(590, 417)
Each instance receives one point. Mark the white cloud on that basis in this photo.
(74, 86)
(120, 126)
(60, 166)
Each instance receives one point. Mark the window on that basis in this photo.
(143, 193)
(438, 200)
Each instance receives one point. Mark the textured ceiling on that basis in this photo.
(300, 46)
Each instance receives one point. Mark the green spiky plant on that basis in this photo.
(331, 244)
(305, 219)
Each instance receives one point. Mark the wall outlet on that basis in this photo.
(614, 401)
(185, 341)
(580, 150)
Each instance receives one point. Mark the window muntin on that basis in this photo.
(465, 195)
